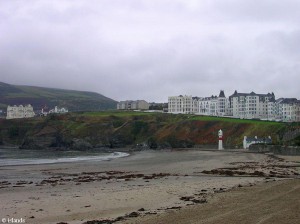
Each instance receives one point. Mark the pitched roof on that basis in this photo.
(222, 94)
(289, 100)
(236, 94)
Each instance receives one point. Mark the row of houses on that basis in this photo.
(15, 112)
(55, 110)
(238, 105)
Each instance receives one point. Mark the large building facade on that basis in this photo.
(238, 105)
(181, 104)
(133, 105)
(14, 112)
(214, 105)
(288, 109)
(250, 105)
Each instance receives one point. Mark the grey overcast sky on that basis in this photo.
(152, 49)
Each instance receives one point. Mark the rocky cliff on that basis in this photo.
(101, 130)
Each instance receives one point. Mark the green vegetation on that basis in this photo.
(127, 128)
(39, 97)
(232, 120)
(113, 113)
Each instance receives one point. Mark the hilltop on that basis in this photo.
(40, 97)
(114, 129)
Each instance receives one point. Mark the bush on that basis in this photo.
(139, 126)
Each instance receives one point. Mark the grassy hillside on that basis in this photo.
(121, 129)
(40, 97)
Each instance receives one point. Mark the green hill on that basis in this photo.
(40, 97)
(114, 129)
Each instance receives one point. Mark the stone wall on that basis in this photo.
(276, 149)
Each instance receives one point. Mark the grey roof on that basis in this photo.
(289, 100)
(236, 94)
(272, 100)
(222, 94)
(208, 98)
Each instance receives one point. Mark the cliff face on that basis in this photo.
(83, 131)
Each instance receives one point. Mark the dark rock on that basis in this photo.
(119, 141)
(80, 144)
(60, 142)
(228, 172)
(151, 213)
(101, 146)
(133, 214)
(152, 143)
(174, 207)
(104, 221)
(30, 143)
(120, 218)
(259, 173)
(187, 198)
(199, 201)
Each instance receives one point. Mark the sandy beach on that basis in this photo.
(148, 187)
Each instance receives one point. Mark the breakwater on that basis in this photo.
(276, 149)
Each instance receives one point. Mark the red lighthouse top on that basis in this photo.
(220, 134)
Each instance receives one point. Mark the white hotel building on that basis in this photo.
(286, 109)
(250, 105)
(214, 105)
(21, 111)
(181, 104)
(238, 105)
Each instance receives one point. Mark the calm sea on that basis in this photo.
(11, 156)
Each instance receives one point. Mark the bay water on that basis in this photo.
(15, 156)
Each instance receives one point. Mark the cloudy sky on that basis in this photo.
(152, 49)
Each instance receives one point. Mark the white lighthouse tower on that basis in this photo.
(220, 134)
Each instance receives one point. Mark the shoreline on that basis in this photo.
(128, 151)
(107, 156)
(153, 181)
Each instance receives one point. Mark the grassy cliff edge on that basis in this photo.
(115, 129)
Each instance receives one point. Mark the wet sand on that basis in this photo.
(267, 203)
(143, 187)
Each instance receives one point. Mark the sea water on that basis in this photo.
(13, 156)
